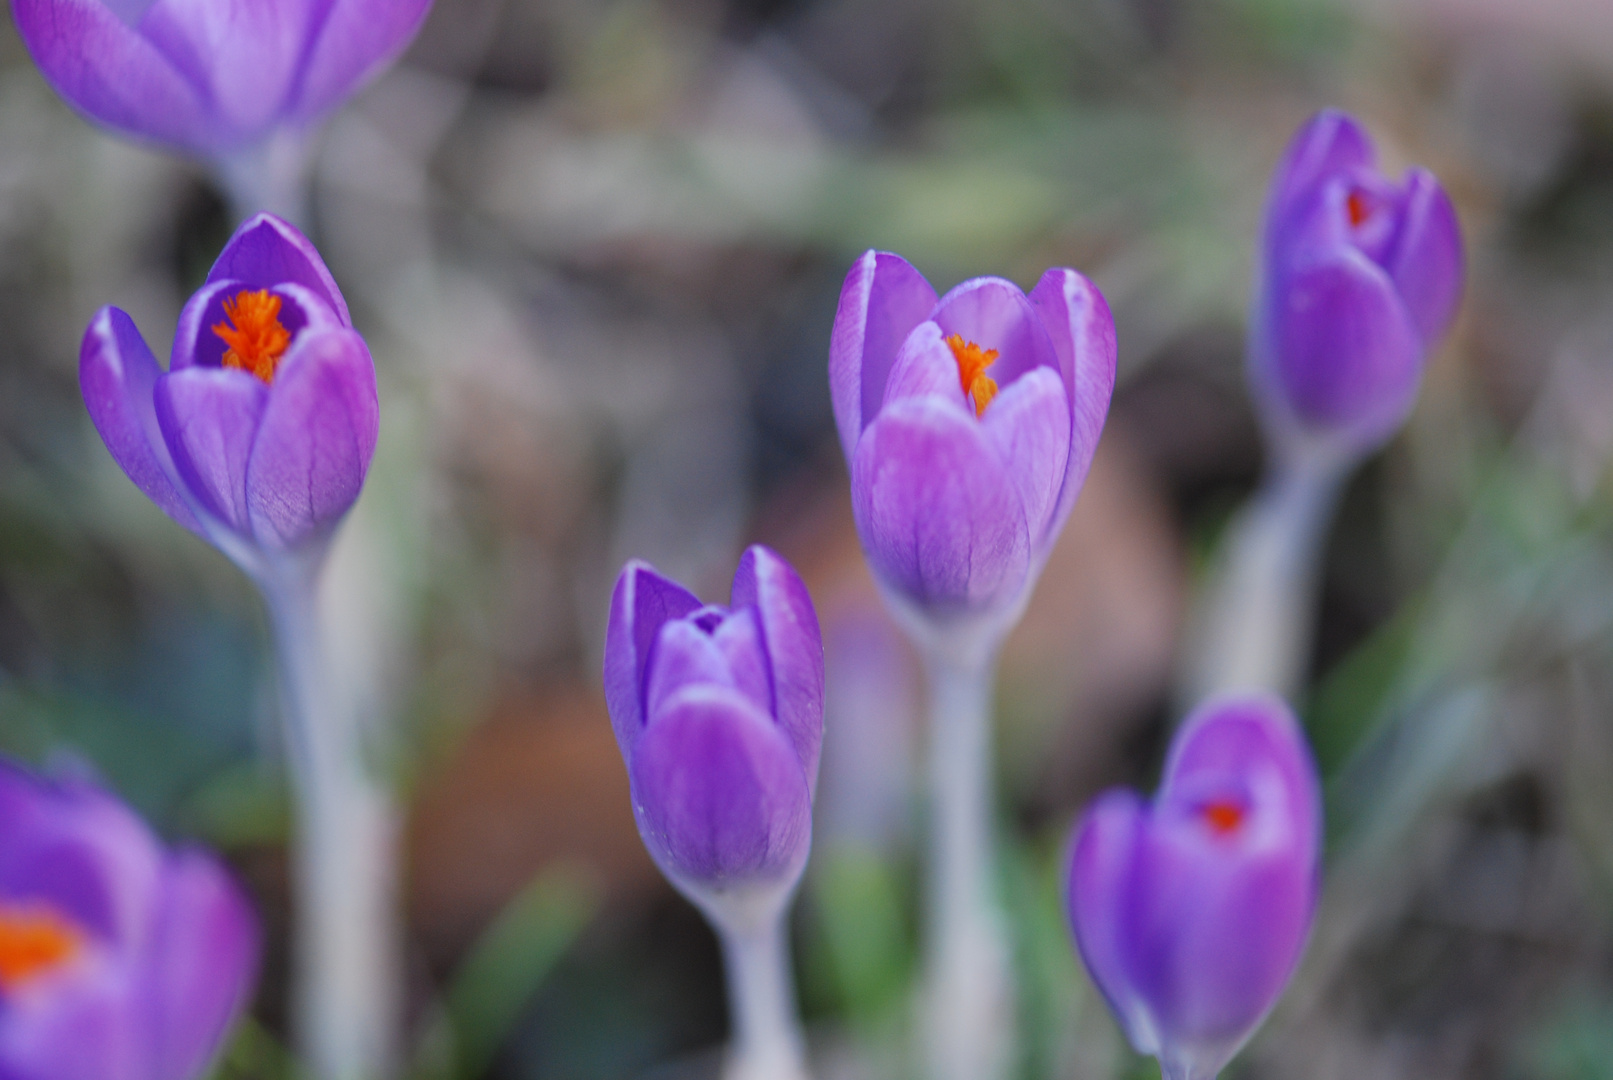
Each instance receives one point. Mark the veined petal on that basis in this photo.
(883, 298)
(105, 68)
(1426, 260)
(315, 442)
(642, 602)
(210, 418)
(358, 38)
(739, 640)
(995, 314)
(1028, 425)
(940, 520)
(118, 376)
(267, 251)
(767, 584)
(682, 655)
(719, 792)
(926, 366)
(1077, 320)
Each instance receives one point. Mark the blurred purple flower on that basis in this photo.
(719, 714)
(1192, 911)
(1362, 278)
(119, 960)
(969, 424)
(212, 77)
(259, 435)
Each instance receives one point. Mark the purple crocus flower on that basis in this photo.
(1362, 278)
(1191, 911)
(969, 423)
(258, 436)
(212, 77)
(719, 714)
(119, 959)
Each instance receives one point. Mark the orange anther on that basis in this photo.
(1359, 209)
(1223, 816)
(972, 364)
(253, 332)
(33, 941)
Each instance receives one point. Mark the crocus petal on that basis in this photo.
(881, 301)
(118, 376)
(941, 521)
(719, 792)
(995, 314)
(267, 251)
(86, 1026)
(78, 849)
(1330, 143)
(682, 654)
(926, 367)
(641, 604)
(359, 37)
(111, 72)
(198, 344)
(316, 439)
(1028, 426)
(1102, 868)
(203, 963)
(1426, 261)
(1345, 353)
(210, 419)
(739, 640)
(793, 644)
(1077, 320)
(243, 53)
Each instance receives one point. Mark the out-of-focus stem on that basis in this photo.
(970, 1017)
(767, 1041)
(343, 861)
(271, 175)
(1253, 626)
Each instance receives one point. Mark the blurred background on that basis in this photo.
(596, 249)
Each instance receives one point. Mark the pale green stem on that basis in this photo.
(343, 859)
(970, 1022)
(767, 1042)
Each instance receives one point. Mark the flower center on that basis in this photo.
(253, 332)
(33, 941)
(1359, 209)
(1223, 816)
(972, 364)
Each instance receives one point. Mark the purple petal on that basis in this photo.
(794, 646)
(1330, 143)
(112, 73)
(267, 251)
(642, 602)
(926, 366)
(1028, 426)
(118, 376)
(197, 344)
(358, 39)
(202, 965)
(316, 440)
(84, 1026)
(1426, 260)
(210, 418)
(739, 640)
(1077, 320)
(78, 849)
(719, 792)
(995, 314)
(1101, 886)
(882, 300)
(683, 654)
(940, 520)
(1343, 353)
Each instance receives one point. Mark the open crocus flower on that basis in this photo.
(969, 423)
(259, 435)
(719, 714)
(1192, 911)
(119, 960)
(1361, 279)
(212, 77)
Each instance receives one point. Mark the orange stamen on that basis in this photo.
(972, 364)
(34, 940)
(1358, 208)
(1223, 817)
(255, 337)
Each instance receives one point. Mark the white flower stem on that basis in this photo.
(970, 1015)
(271, 175)
(343, 859)
(1254, 623)
(767, 1042)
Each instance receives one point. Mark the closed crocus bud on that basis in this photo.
(119, 959)
(212, 77)
(1192, 911)
(719, 714)
(1362, 276)
(969, 423)
(259, 434)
